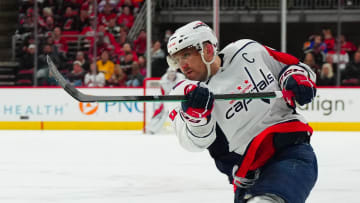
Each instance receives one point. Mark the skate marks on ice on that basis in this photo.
(128, 167)
(104, 166)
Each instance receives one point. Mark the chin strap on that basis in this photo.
(208, 63)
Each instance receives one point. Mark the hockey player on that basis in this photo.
(167, 81)
(262, 145)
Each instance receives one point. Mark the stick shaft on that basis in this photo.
(78, 95)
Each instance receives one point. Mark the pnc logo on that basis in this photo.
(88, 108)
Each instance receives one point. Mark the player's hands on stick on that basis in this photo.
(199, 103)
(299, 88)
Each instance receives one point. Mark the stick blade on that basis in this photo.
(64, 83)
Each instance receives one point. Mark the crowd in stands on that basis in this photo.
(321, 54)
(111, 59)
(107, 59)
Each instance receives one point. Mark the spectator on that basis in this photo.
(27, 61)
(126, 18)
(47, 12)
(142, 65)
(107, 14)
(101, 46)
(133, 5)
(329, 60)
(94, 78)
(310, 61)
(109, 38)
(82, 20)
(352, 71)
(329, 39)
(135, 79)
(105, 65)
(52, 4)
(49, 26)
(127, 63)
(168, 33)
(82, 59)
(122, 39)
(126, 50)
(48, 51)
(118, 79)
(73, 4)
(341, 59)
(88, 5)
(347, 46)
(68, 21)
(318, 48)
(113, 28)
(156, 51)
(140, 43)
(25, 5)
(27, 23)
(24, 73)
(89, 32)
(59, 41)
(103, 3)
(29, 39)
(326, 76)
(50, 40)
(42, 74)
(76, 76)
(158, 62)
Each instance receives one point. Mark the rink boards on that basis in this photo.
(334, 109)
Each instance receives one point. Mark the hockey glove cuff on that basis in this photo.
(298, 85)
(301, 88)
(199, 101)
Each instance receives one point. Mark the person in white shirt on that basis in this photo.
(94, 78)
(262, 145)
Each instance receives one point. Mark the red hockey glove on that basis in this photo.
(300, 88)
(199, 103)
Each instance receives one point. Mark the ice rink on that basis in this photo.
(128, 167)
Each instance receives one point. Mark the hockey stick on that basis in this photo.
(70, 89)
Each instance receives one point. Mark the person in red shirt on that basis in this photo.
(133, 5)
(108, 37)
(59, 41)
(107, 14)
(126, 18)
(88, 31)
(128, 50)
(329, 40)
(347, 46)
(140, 43)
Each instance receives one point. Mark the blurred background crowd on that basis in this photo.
(66, 31)
(110, 60)
(320, 53)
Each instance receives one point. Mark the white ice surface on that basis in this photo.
(127, 167)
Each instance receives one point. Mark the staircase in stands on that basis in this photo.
(8, 23)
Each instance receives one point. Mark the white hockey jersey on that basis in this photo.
(160, 114)
(247, 66)
(167, 84)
